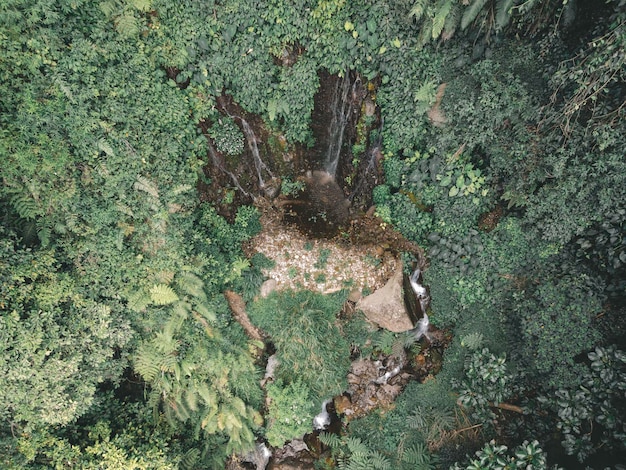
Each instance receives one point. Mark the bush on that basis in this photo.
(302, 325)
(227, 136)
(291, 411)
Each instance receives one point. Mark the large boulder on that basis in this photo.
(385, 307)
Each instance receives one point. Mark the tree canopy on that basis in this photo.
(131, 184)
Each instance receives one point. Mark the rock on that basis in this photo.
(370, 107)
(268, 287)
(259, 457)
(343, 405)
(355, 296)
(292, 464)
(385, 307)
(270, 369)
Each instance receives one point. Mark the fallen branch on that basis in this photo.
(238, 307)
(508, 407)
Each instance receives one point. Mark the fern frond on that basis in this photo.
(425, 96)
(440, 18)
(418, 9)
(504, 9)
(127, 25)
(124, 209)
(108, 8)
(190, 460)
(163, 295)
(205, 312)
(379, 461)
(142, 5)
(473, 341)
(181, 310)
(145, 185)
(169, 363)
(44, 231)
(138, 301)
(238, 404)
(165, 342)
(147, 363)
(331, 440)
(452, 21)
(471, 12)
(356, 446)
(417, 420)
(191, 284)
(164, 277)
(25, 206)
(415, 455)
(191, 400)
(180, 189)
(105, 147)
(208, 396)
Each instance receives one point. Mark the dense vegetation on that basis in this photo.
(503, 139)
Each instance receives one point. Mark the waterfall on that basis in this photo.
(216, 162)
(424, 299)
(322, 420)
(254, 149)
(342, 108)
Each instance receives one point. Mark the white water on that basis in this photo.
(254, 149)
(424, 299)
(259, 457)
(389, 374)
(322, 420)
(342, 107)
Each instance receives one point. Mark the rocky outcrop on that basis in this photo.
(385, 307)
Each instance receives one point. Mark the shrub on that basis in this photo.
(291, 411)
(309, 345)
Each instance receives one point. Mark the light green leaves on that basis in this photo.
(162, 294)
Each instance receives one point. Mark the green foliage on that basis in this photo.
(227, 137)
(303, 328)
(292, 102)
(57, 344)
(322, 260)
(101, 150)
(597, 399)
(486, 383)
(291, 188)
(290, 412)
(352, 454)
(493, 456)
(556, 309)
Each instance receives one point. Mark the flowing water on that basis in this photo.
(342, 109)
(254, 149)
(424, 299)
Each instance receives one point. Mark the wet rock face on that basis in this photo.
(322, 208)
(386, 307)
(327, 197)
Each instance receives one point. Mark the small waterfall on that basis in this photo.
(254, 149)
(218, 164)
(424, 299)
(322, 420)
(342, 109)
(367, 176)
(259, 456)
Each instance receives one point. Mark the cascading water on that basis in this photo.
(342, 108)
(218, 164)
(254, 149)
(322, 420)
(424, 299)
